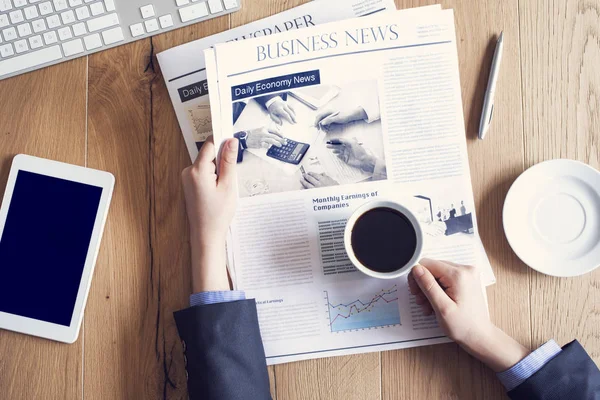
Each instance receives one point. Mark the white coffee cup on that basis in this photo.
(382, 203)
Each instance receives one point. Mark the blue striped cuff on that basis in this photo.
(203, 298)
(521, 371)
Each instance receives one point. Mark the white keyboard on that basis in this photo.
(37, 33)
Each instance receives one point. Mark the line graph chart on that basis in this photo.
(363, 312)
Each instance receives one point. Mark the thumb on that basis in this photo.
(437, 297)
(321, 115)
(228, 162)
(330, 119)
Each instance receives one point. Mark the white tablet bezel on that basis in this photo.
(105, 180)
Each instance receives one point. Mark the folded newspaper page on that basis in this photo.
(184, 69)
(330, 117)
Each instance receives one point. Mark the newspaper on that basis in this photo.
(183, 67)
(377, 96)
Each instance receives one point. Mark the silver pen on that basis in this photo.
(488, 102)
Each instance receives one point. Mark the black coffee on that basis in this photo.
(383, 239)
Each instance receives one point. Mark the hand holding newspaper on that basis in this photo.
(381, 96)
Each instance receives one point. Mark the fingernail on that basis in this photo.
(419, 270)
(232, 145)
(425, 260)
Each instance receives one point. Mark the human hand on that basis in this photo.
(455, 294)
(210, 204)
(352, 153)
(340, 114)
(280, 110)
(264, 137)
(313, 180)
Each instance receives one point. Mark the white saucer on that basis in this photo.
(552, 217)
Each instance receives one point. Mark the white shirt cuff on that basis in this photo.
(203, 298)
(273, 100)
(524, 369)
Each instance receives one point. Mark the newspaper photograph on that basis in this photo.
(311, 137)
(184, 69)
(328, 118)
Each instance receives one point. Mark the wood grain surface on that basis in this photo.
(561, 110)
(112, 111)
(42, 114)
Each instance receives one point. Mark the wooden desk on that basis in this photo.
(112, 111)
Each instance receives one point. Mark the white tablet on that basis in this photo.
(51, 222)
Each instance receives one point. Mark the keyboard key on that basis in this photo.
(75, 3)
(31, 12)
(82, 12)
(60, 5)
(147, 11)
(79, 29)
(113, 35)
(39, 25)
(166, 21)
(68, 17)
(97, 9)
(24, 30)
(229, 4)
(3, 20)
(50, 37)
(193, 12)
(137, 29)
(151, 25)
(215, 6)
(16, 16)
(103, 22)
(21, 46)
(53, 21)
(64, 33)
(182, 2)
(9, 34)
(5, 5)
(35, 42)
(73, 47)
(92, 42)
(109, 5)
(6, 50)
(19, 3)
(45, 8)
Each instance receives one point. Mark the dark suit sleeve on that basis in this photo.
(225, 359)
(237, 109)
(570, 375)
(262, 100)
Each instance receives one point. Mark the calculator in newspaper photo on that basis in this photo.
(292, 152)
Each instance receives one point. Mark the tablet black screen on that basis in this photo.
(44, 246)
